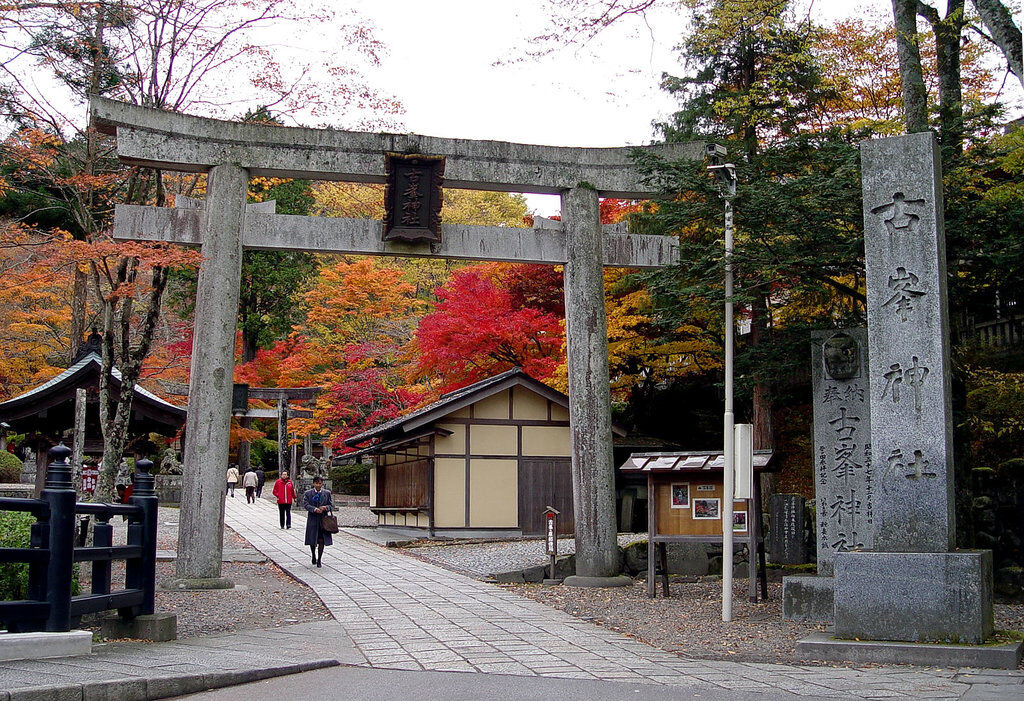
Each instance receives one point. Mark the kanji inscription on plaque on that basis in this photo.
(412, 197)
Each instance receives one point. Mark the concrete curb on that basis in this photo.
(35, 646)
(138, 689)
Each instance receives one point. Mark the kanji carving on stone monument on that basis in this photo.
(914, 376)
(900, 215)
(915, 469)
(847, 539)
(903, 285)
(845, 509)
(844, 426)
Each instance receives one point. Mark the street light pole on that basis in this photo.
(725, 175)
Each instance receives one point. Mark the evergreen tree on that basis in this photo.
(755, 85)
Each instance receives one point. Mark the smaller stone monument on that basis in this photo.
(169, 463)
(310, 467)
(786, 541)
(28, 468)
(124, 473)
(843, 478)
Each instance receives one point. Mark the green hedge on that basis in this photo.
(10, 468)
(15, 532)
(351, 479)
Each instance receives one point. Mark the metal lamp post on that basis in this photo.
(725, 176)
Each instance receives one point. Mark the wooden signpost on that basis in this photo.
(551, 539)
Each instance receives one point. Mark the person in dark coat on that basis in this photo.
(261, 479)
(317, 502)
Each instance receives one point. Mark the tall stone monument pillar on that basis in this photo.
(586, 331)
(210, 382)
(912, 585)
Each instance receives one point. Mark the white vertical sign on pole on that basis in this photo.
(744, 447)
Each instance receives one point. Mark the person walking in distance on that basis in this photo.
(284, 490)
(249, 482)
(317, 502)
(261, 478)
(232, 480)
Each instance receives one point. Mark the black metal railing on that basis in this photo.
(52, 554)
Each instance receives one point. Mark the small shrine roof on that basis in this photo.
(84, 373)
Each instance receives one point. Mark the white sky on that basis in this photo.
(440, 63)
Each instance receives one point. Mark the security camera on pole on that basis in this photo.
(725, 176)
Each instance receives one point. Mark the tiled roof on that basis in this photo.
(80, 368)
(456, 399)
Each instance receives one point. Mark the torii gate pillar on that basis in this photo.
(590, 417)
(207, 429)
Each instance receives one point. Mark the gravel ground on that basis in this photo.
(690, 623)
(355, 517)
(481, 559)
(264, 595)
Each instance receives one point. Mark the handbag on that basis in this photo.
(329, 523)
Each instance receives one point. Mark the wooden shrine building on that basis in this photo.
(684, 505)
(47, 412)
(486, 459)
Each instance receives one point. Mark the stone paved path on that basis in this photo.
(402, 613)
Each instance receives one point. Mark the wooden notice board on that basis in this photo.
(675, 519)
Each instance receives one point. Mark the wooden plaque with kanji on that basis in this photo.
(412, 197)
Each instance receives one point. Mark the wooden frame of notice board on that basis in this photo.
(684, 505)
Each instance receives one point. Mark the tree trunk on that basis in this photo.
(250, 345)
(79, 297)
(764, 433)
(915, 97)
(1007, 35)
(117, 324)
(947, 47)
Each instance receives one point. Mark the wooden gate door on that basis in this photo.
(545, 482)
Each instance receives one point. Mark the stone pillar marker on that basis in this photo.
(586, 331)
(210, 383)
(78, 441)
(912, 586)
(908, 341)
(786, 537)
(844, 482)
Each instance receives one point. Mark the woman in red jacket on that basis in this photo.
(284, 490)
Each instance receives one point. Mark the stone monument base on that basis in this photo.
(822, 646)
(581, 581)
(158, 627)
(808, 599)
(914, 597)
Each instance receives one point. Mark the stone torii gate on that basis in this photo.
(232, 153)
